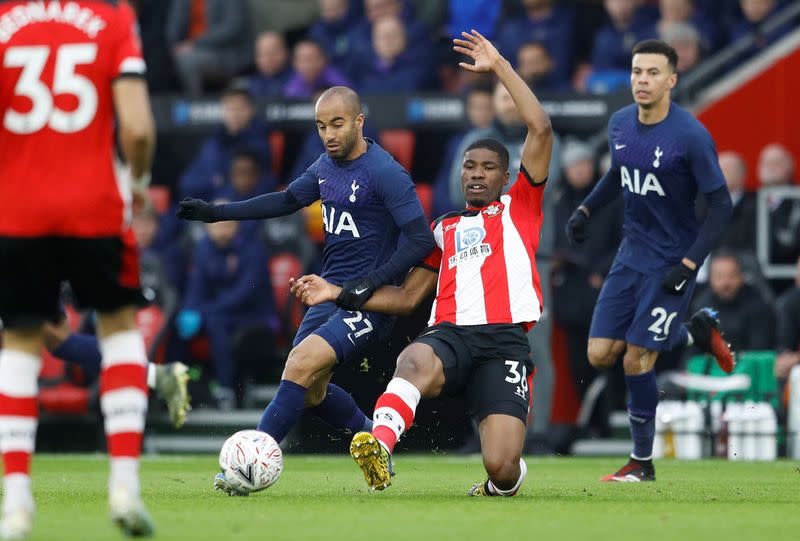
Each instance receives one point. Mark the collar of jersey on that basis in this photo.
(474, 211)
(347, 163)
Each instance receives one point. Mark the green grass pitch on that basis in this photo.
(324, 498)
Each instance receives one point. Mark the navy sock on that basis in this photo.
(339, 410)
(83, 350)
(284, 411)
(643, 393)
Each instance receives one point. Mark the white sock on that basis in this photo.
(125, 473)
(394, 412)
(151, 376)
(17, 492)
(123, 399)
(18, 422)
(523, 472)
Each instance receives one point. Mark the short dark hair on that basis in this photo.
(726, 253)
(495, 146)
(247, 154)
(656, 46)
(237, 89)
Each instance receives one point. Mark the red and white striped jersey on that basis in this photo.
(486, 260)
(58, 62)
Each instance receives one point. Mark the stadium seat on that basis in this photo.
(400, 144)
(425, 194)
(282, 267)
(62, 391)
(151, 322)
(277, 142)
(607, 82)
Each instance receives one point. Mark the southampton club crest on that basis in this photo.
(492, 210)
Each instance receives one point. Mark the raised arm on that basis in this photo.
(539, 141)
(419, 283)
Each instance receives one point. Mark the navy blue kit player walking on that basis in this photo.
(661, 157)
(368, 200)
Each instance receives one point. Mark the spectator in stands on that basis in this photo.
(740, 234)
(747, 318)
(420, 50)
(613, 43)
(240, 128)
(679, 12)
(535, 66)
(776, 168)
(156, 249)
(247, 180)
(577, 274)
(480, 114)
(392, 70)
(756, 12)
(788, 329)
(229, 292)
(272, 62)
(686, 41)
(545, 22)
(507, 128)
(210, 39)
(151, 15)
(482, 15)
(332, 30)
(312, 71)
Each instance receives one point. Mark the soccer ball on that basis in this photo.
(251, 461)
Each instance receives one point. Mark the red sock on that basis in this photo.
(394, 412)
(19, 414)
(123, 393)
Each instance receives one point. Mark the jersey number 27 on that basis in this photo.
(32, 60)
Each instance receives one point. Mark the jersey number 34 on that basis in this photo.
(32, 60)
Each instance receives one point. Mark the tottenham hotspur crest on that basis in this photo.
(492, 210)
(354, 187)
(657, 161)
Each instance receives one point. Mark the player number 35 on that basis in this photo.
(32, 60)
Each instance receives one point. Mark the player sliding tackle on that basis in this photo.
(487, 298)
(661, 155)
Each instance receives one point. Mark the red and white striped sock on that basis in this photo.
(123, 399)
(19, 416)
(394, 412)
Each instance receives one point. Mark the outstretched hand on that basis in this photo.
(312, 289)
(197, 209)
(484, 55)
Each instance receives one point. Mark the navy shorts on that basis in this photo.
(633, 307)
(347, 332)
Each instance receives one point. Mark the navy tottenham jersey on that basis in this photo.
(661, 167)
(365, 202)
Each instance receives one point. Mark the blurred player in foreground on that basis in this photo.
(65, 216)
(661, 157)
(488, 297)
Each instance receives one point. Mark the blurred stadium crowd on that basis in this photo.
(222, 288)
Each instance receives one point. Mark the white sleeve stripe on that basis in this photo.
(133, 65)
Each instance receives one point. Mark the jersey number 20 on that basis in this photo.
(32, 60)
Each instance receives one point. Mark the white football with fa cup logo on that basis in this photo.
(251, 461)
